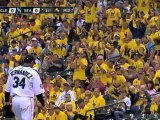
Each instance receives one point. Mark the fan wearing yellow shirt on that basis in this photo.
(143, 6)
(113, 15)
(79, 65)
(1, 97)
(118, 83)
(99, 68)
(139, 80)
(33, 27)
(128, 46)
(59, 81)
(97, 100)
(90, 14)
(13, 32)
(124, 63)
(56, 46)
(24, 29)
(38, 115)
(137, 63)
(35, 47)
(68, 100)
(154, 105)
(58, 114)
(88, 103)
(54, 92)
(95, 45)
(69, 111)
(80, 113)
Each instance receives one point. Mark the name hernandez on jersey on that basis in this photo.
(24, 81)
(22, 72)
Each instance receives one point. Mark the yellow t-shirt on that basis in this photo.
(90, 13)
(84, 110)
(53, 95)
(98, 47)
(1, 100)
(112, 15)
(40, 116)
(97, 102)
(62, 82)
(34, 28)
(120, 79)
(138, 64)
(98, 72)
(72, 102)
(60, 116)
(136, 82)
(26, 30)
(153, 107)
(58, 48)
(143, 6)
(13, 34)
(37, 50)
(79, 71)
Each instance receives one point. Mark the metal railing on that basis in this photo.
(105, 107)
(21, 34)
(17, 36)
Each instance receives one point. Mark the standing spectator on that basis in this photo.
(139, 31)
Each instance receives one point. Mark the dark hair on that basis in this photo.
(152, 85)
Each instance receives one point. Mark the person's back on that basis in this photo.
(23, 79)
(22, 84)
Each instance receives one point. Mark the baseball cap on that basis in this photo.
(29, 59)
(34, 39)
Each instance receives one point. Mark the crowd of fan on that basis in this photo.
(107, 50)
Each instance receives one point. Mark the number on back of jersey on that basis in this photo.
(19, 82)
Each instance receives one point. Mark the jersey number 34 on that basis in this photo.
(19, 82)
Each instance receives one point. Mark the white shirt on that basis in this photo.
(79, 23)
(24, 82)
(101, 4)
(28, 48)
(62, 97)
(11, 51)
(127, 100)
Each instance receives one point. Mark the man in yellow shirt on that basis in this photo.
(99, 68)
(113, 15)
(118, 84)
(58, 114)
(81, 111)
(35, 47)
(97, 100)
(33, 26)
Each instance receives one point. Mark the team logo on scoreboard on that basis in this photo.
(36, 10)
(18, 11)
(12, 10)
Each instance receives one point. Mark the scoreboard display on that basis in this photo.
(36, 10)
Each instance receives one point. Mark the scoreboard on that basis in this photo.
(36, 10)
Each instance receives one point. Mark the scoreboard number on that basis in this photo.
(12, 10)
(36, 10)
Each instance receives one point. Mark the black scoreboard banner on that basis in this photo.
(36, 10)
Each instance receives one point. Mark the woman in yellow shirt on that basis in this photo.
(95, 45)
(79, 65)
